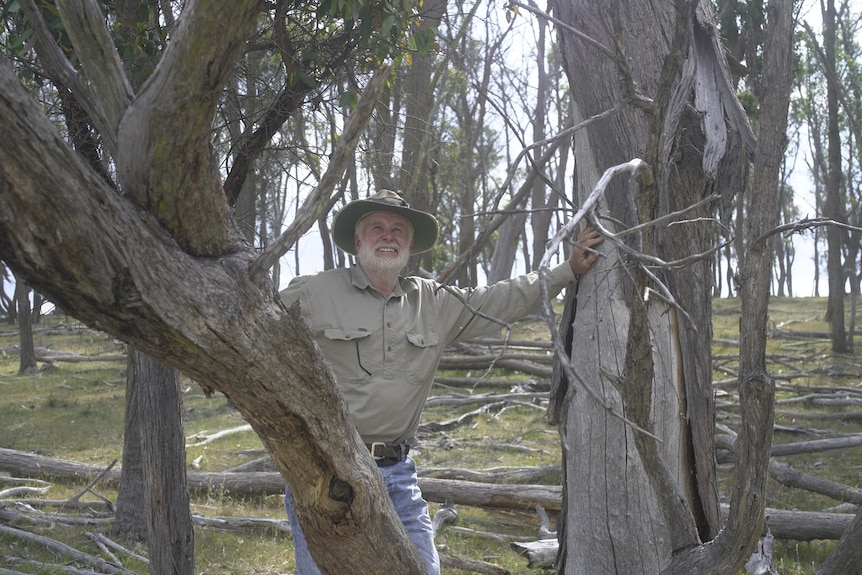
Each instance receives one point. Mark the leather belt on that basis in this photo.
(386, 455)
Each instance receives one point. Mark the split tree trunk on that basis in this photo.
(643, 356)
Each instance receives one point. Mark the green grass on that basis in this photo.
(75, 411)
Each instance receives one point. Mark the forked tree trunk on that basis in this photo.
(140, 274)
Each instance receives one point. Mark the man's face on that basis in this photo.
(383, 241)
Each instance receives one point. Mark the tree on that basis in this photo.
(154, 499)
(164, 267)
(27, 363)
(640, 364)
(833, 204)
(831, 80)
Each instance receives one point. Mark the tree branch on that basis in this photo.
(62, 72)
(319, 201)
(169, 125)
(85, 25)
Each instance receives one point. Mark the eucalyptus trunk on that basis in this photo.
(833, 205)
(639, 491)
(164, 267)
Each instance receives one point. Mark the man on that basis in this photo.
(384, 335)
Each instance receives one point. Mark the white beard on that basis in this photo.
(372, 264)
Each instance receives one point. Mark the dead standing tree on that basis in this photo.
(641, 351)
(164, 267)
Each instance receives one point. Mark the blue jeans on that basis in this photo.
(401, 483)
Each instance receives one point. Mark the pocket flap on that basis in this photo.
(423, 338)
(343, 334)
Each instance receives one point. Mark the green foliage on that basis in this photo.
(385, 28)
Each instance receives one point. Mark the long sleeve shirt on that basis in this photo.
(384, 351)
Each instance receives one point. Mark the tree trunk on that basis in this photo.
(27, 363)
(623, 489)
(419, 136)
(738, 539)
(833, 206)
(153, 499)
(847, 555)
(506, 247)
(540, 218)
(130, 518)
(170, 532)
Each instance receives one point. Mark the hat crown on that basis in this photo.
(389, 197)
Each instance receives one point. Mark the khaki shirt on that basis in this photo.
(384, 351)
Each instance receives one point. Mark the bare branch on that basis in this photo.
(803, 225)
(585, 37)
(485, 234)
(61, 71)
(319, 200)
(85, 24)
(640, 168)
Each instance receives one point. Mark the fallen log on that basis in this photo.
(507, 383)
(506, 497)
(540, 554)
(830, 416)
(792, 477)
(528, 367)
(542, 474)
(796, 525)
(793, 525)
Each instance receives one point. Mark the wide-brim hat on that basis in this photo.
(425, 225)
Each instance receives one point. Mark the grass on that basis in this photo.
(75, 411)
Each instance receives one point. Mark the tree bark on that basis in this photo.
(130, 519)
(729, 550)
(170, 533)
(847, 556)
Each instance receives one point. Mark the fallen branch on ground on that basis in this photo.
(798, 525)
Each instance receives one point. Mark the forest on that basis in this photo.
(168, 166)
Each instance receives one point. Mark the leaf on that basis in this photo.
(348, 99)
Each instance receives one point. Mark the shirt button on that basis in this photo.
(389, 348)
(389, 324)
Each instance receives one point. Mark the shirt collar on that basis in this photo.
(360, 281)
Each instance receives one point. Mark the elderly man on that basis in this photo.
(384, 335)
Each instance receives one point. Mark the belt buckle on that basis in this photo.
(374, 447)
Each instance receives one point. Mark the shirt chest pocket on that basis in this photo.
(422, 355)
(348, 352)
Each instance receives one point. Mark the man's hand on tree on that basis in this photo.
(583, 255)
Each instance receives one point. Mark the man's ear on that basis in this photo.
(356, 242)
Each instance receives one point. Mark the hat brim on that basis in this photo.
(425, 227)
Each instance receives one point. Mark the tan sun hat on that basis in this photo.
(344, 227)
